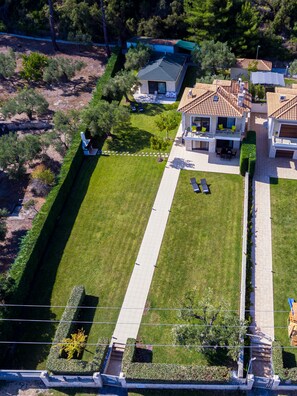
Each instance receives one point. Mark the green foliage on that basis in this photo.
(16, 152)
(74, 345)
(105, 118)
(33, 66)
(123, 83)
(246, 35)
(137, 57)
(214, 57)
(59, 365)
(167, 373)
(66, 125)
(218, 325)
(7, 64)
(158, 143)
(29, 204)
(277, 360)
(61, 69)
(3, 227)
(247, 161)
(167, 121)
(44, 174)
(26, 101)
(293, 68)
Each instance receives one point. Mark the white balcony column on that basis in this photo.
(295, 155)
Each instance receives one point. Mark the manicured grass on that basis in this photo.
(284, 253)
(201, 248)
(137, 137)
(95, 244)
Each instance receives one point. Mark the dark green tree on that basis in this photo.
(293, 68)
(137, 57)
(246, 35)
(52, 24)
(122, 84)
(26, 101)
(211, 325)
(3, 226)
(16, 152)
(66, 125)
(105, 118)
(167, 121)
(214, 57)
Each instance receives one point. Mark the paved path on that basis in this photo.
(262, 297)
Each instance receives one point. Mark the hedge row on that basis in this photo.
(285, 374)
(166, 373)
(247, 160)
(114, 65)
(59, 365)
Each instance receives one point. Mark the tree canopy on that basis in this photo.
(26, 101)
(122, 84)
(214, 57)
(7, 64)
(212, 326)
(137, 57)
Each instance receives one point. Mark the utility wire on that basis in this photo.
(131, 323)
(132, 308)
(152, 345)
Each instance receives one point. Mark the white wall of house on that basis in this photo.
(144, 89)
(170, 86)
(188, 145)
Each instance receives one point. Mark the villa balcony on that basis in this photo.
(228, 134)
(199, 135)
(285, 142)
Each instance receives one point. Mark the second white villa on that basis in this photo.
(215, 116)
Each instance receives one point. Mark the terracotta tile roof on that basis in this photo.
(282, 108)
(263, 65)
(201, 100)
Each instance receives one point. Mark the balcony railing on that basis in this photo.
(226, 132)
(285, 141)
(198, 134)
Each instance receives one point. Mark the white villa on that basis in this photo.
(215, 116)
(282, 122)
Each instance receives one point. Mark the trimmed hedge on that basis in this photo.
(166, 373)
(247, 160)
(114, 65)
(59, 365)
(285, 374)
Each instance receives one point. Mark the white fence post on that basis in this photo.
(97, 379)
(44, 378)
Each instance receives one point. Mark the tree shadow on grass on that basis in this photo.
(131, 140)
(28, 356)
(289, 359)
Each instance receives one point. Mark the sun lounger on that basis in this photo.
(195, 186)
(204, 185)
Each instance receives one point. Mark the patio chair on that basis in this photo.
(194, 184)
(204, 185)
(203, 129)
(233, 128)
(221, 127)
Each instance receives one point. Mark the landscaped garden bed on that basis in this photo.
(284, 251)
(95, 244)
(202, 249)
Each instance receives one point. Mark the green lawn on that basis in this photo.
(284, 250)
(201, 248)
(95, 244)
(137, 137)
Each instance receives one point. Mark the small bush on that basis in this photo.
(247, 160)
(43, 174)
(158, 143)
(166, 373)
(61, 69)
(33, 66)
(29, 204)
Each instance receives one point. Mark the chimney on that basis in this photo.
(190, 94)
(241, 86)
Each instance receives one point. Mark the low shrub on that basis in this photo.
(247, 160)
(158, 143)
(166, 373)
(60, 365)
(44, 174)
